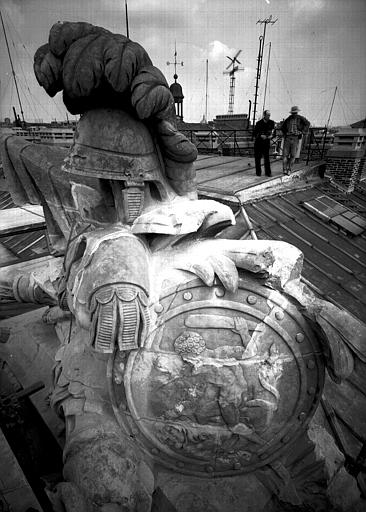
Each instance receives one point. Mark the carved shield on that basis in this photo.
(223, 383)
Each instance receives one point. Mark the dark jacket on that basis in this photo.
(263, 128)
(302, 124)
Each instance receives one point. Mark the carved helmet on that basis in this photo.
(112, 144)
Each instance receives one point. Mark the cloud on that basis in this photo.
(306, 5)
(218, 50)
(249, 70)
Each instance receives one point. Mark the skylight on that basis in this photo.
(336, 213)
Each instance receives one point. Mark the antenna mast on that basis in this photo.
(232, 72)
(175, 61)
(260, 60)
(12, 68)
(126, 14)
(206, 114)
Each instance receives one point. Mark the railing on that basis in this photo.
(240, 143)
(224, 142)
(317, 142)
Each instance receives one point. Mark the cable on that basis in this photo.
(11, 97)
(25, 79)
(283, 79)
(346, 104)
(342, 107)
(31, 61)
(323, 114)
(27, 100)
(12, 24)
(5, 87)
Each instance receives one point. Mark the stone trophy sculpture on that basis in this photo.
(187, 364)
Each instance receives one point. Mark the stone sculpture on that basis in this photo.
(187, 364)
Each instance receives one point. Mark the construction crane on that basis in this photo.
(234, 68)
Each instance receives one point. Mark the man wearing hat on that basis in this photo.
(293, 129)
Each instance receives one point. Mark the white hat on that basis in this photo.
(294, 110)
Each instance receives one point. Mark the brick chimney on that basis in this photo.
(346, 158)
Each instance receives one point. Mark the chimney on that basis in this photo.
(346, 158)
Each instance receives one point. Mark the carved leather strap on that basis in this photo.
(119, 317)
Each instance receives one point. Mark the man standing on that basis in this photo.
(293, 128)
(263, 133)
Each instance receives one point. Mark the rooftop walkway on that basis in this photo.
(222, 177)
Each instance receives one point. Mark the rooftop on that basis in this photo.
(334, 255)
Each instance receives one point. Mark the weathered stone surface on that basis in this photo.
(340, 488)
(217, 495)
(326, 450)
(107, 472)
(186, 363)
(183, 216)
(216, 389)
(344, 494)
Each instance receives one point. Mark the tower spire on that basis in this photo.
(175, 62)
(176, 88)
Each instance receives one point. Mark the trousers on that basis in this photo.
(261, 149)
(290, 146)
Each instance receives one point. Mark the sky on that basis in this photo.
(316, 47)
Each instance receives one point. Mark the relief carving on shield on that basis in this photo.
(222, 383)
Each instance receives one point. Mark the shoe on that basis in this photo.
(269, 175)
(258, 174)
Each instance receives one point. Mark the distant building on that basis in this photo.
(359, 124)
(231, 122)
(233, 134)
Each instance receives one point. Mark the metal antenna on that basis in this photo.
(232, 72)
(175, 63)
(260, 60)
(206, 90)
(126, 14)
(12, 68)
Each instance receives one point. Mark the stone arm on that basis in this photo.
(96, 68)
(341, 334)
(99, 297)
(278, 262)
